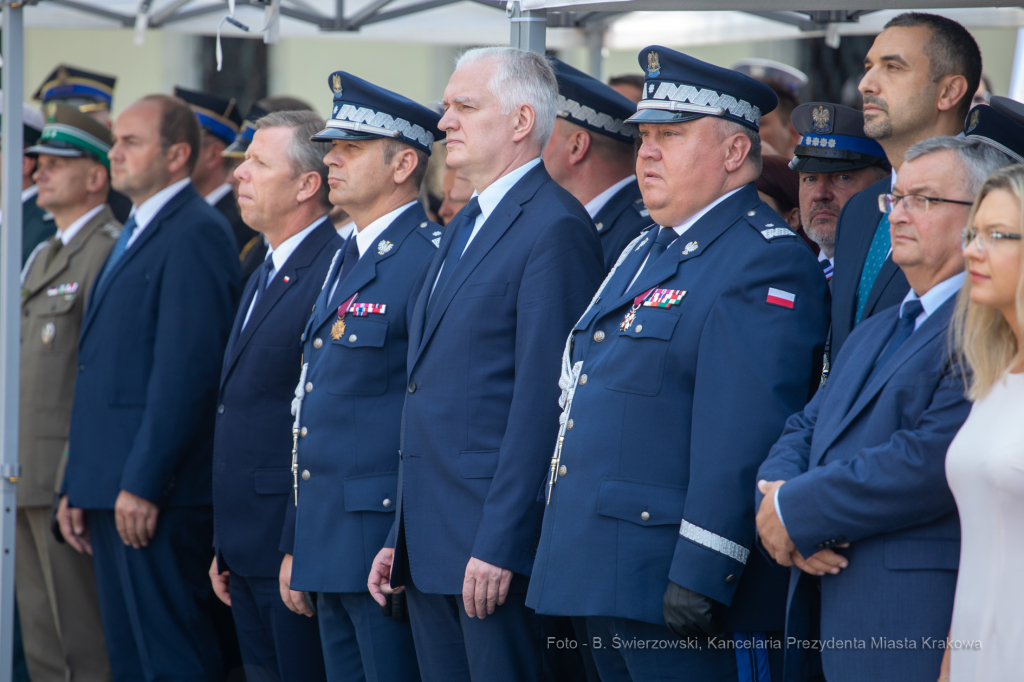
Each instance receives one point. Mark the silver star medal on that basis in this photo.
(690, 248)
(383, 246)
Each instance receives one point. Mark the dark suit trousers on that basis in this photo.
(361, 644)
(277, 645)
(155, 601)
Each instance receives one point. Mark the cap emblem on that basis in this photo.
(336, 83)
(821, 120)
(974, 120)
(51, 112)
(653, 64)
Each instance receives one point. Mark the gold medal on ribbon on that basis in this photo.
(338, 329)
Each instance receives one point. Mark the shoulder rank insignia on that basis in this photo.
(664, 298)
(689, 248)
(772, 232)
(383, 246)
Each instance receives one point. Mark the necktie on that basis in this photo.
(665, 237)
(262, 276)
(873, 264)
(55, 247)
(464, 229)
(904, 328)
(120, 246)
(347, 263)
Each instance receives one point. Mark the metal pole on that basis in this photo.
(528, 28)
(10, 302)
(594, 34)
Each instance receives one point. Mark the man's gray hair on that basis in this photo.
(521, 77)
(305, 155)
(979, 159)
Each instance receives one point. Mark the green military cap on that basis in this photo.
(70, 133)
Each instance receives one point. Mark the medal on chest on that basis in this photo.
(630, 317)
(338, 328)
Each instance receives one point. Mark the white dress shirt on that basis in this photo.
(216, 195)
(595, 205)
(368, 235)
(145, 213)
(279, 257)
(346, 230)
(75, 227)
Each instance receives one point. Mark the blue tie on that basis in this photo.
(873, 264)
(465, 229)
(904, 328)
(261, 281)
(120, 246)
(665, 237)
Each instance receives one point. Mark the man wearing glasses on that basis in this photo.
(857, 501)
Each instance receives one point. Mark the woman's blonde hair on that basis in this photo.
(988, 343)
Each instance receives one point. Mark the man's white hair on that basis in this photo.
(520, 77)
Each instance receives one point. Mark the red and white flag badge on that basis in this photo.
(781, 298)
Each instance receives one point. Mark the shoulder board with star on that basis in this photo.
(770, 226)
(111, 230)
(430, 231)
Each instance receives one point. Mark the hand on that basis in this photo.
(769, 526)
(292, 599)
(220, 583)
(135, 518)
(689, 614)
(485, 587)
(379, 582)
(820, 563)
(944, 666)
(73, 526)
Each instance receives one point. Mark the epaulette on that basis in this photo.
(768, 226)
(432, 232)
(111, 231)
(640, 208)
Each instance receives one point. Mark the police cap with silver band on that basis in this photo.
(237, 149)
(591, 104)
(81, 89)
(999, 124)
(364, 111)
(832, 140)
(70, 133)
(678, 87)
(772, 72)
(217, 116)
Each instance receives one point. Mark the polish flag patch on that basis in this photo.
(781, 298)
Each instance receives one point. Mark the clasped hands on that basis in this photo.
(779, 545)
(134, 517)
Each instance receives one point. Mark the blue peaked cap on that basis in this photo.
(1000, 125)
(590, 104)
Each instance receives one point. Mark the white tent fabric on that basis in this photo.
(749, 5)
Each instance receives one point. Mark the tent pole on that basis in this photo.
(595, 47)
(1017, 74)
(10, 303)
(528, 28)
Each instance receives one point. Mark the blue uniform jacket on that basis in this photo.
(252, 477)
(149, 359)
(854, 231)
(671, 418)
(480, 415)
(865, 464)
(351, 417)
(620, 221)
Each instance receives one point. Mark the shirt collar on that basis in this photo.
(933, 299)
(595, 205)
(366, 236)
(285, 249)
(145, 213)
(680, 229)
(67, 235)
(216, 195)
(496, 191)
(346, 230)
(27, 194)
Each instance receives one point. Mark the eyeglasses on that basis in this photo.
(986, 241)
(913, 203)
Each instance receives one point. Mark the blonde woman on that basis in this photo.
(985, 463)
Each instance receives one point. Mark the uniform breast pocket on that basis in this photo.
(56, 325)
(359, 359)
(640, 355)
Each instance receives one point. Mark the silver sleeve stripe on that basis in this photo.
(571, 108)
(706, 538)
(378, 119)
(705, 97)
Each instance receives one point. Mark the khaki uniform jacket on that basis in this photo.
(53, 299)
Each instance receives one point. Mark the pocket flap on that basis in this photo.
(652, 325)
(374, 492)
(58, 305)
(917, 554)
(629, 500)
(478, 464)
(277, 481)
(363, 333)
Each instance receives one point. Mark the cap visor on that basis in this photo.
(331, 134)
(662, 116)
(68, 152)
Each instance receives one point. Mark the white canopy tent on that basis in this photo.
(618, 24)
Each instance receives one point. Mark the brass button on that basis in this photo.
(599, 336)
(563, 470)
(583, 379)
(305, 474)
(387, 502)
(303, 432)
(730, 578)
(644, 516)
(309, 387)
(317, 343)
(639, 328)
(351, 338)
(569, 425)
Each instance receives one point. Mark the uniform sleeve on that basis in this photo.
(755, 366)
(789, 456)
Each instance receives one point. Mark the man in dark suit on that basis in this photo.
(356, 344)
(513, 271)
(282, 193)
(590, 154)
(853, 495)
(137, 486)
(920, 75)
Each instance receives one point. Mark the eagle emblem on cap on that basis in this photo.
(821, 120)
(336, 83)
(974, 120)
(653, 64)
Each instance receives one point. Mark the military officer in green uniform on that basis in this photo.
(56, 589)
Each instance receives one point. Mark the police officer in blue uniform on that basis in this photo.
(349, 402)
(591, 154)
(999, 124)
(675, 383)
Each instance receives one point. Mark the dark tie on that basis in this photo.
(464, 229)
(665, 237)
(55, 247)
(351, 258)
(120, 246)
(262, 276)
(904, 328)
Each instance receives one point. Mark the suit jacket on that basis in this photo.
(229, 209)
(480, 415)
(252, 444)
(149, 362)
(348, 491)
(36, 227)
(854, 231)
(53, 301)
(620, 221)
(671, 418)
(864, 463)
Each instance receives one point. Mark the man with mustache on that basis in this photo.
(919, 76)
(835, 160)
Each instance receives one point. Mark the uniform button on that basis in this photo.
(563, 470)
(351, 338)
(387, 502)
(317, 343)
(303, 432)
(412, 387)
(730, 578)
(569, 425)
(599, 336)
(644, 516)
(583, 379)
(309, 387)
(751, 213)
(220, 409)
(305, 474)
(639, 328)
(81, 368)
